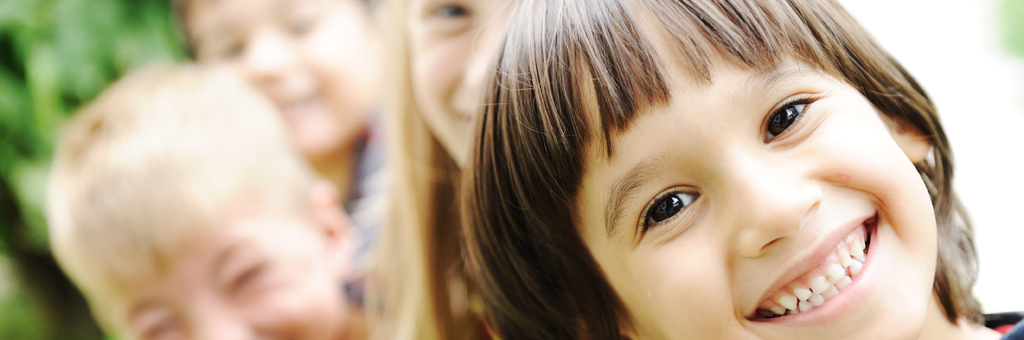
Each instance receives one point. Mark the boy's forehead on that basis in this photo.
(735, 79)
(212, 17)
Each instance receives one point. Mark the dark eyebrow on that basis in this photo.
(624, 190)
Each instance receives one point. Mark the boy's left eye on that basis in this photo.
(302, 25)
(784, 117)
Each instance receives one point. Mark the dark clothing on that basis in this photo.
(1011, 325)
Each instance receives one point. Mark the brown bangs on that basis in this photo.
(585, 58)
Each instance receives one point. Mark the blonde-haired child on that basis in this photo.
(318, 62)
(441, 52)
(713, 169)
(180, 208)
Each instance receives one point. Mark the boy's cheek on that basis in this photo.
(677, 287)
(856, 150)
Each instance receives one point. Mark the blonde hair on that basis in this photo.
(152, 163)
(418, 282)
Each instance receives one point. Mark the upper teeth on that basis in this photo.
(857, 250)
(804, 296)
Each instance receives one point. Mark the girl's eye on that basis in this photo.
(784, 118)
(452, 11)
(666, 207)
(450, 18)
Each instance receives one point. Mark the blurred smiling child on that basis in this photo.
(181, 210)
(712, 169)
(441, 53)
(317, 60)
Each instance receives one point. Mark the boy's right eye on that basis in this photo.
(782, 119)
(227, 50)
(247, 279)
(665, 207)
(166, 329)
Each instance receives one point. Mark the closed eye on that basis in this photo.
(302, 25)
(665, 207)
(167, 328)
(787, 114)
(247, 279)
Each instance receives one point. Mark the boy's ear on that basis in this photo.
(915, 145)
(332, 221)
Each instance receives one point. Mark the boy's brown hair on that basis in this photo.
(153, 163)
(564, 62)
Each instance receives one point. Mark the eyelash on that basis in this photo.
(247, 278)
(647, 223)
(790, 103)
(446, 11)
(164, 327)
(448, 18)
(301, 26)
(231, 50)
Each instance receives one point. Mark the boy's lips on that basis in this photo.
(297, 108)
(818, 275)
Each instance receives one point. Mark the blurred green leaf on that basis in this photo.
(22, 318)
(56, 55)
(29, 181)
(1011, 25)
(43, 76)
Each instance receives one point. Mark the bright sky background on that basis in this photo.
(952, 48)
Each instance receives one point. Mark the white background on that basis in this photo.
(952, 48)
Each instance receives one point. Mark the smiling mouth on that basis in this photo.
(826, 281)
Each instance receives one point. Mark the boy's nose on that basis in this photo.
(269, 56)
(223, 326)
(773, 200)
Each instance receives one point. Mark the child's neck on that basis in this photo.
(937, 327)
(339, 168)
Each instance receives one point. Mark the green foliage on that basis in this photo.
(20, 322)
(1011, 23)
(56, 55)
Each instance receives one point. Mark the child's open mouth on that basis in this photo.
(833, 275)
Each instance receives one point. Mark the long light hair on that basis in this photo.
(418, 289)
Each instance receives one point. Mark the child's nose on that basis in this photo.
(773, 200)
(269, 56)
(219, 325)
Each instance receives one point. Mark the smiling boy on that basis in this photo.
(180, 209)
(317, 60)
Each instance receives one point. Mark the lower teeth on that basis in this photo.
(818, 299)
